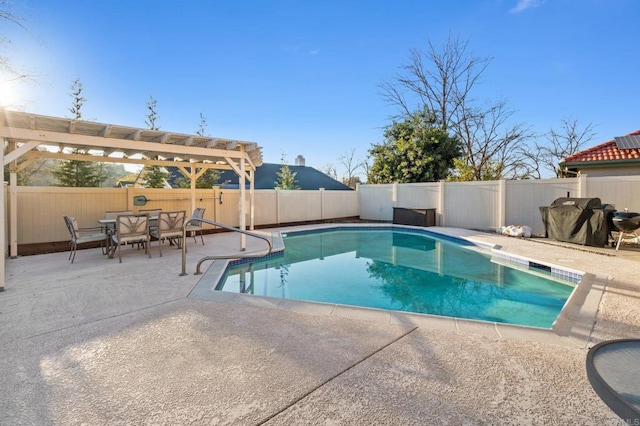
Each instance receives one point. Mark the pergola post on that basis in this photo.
(252, 193)
(13, 212)
(3, 221)
(193, 178)
(242, 201)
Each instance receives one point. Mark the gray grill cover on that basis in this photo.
(577, 220)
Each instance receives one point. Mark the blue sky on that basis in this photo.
(301, 77)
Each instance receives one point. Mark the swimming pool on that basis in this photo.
(405, 270)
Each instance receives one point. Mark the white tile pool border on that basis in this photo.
(572, 328)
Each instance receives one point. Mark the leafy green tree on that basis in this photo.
(286, 178)
(414, 150)
(463, 172)
(78, 173)
(154, 176)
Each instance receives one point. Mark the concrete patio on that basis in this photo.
(99, 342)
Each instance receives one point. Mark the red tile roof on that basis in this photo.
(607, 151)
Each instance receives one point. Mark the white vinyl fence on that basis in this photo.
(492, 204)
(475, 205)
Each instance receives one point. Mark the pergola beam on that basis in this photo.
(42, 137)
(144, 161)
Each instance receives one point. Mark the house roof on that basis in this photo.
(265, 178)
(605, 152)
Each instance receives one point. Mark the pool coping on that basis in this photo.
(572, 328)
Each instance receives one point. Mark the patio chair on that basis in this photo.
(195, 227)
(169, 228)
(132, 228)
(153, 216)
(84, 235)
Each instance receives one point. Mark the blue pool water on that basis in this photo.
(403, 271)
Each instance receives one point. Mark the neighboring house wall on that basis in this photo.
(612, 170)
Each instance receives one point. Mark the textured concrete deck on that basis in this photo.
(104, 343)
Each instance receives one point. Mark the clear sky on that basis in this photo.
(301, 77)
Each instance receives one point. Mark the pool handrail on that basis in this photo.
(220, 225)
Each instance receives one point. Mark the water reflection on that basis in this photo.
(400, 271)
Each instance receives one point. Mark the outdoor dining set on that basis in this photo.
(122, 228)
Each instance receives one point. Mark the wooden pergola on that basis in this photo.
(28, 137)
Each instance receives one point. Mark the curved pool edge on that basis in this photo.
(572, 327)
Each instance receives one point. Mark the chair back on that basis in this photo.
(170, 222)
(132, 226)
(198, 213)
(150, 212)
(113, 214)
(72, 225)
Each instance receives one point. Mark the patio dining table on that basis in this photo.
(613, 369)
(109, 226)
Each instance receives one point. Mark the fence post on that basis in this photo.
(582, 186)
(321, 203)
(277, 205)
(440, 206)
(394, 194)
(502, 203)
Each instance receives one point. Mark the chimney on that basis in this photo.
(299, 160)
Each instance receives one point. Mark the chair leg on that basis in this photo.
(201, 238)
(72, 255)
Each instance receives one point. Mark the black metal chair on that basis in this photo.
(83, 235)
(195, 227)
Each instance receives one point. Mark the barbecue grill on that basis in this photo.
(627, 224)
(583, 221)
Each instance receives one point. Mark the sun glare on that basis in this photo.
(8, 94)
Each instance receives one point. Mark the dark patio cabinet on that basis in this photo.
(414, 216)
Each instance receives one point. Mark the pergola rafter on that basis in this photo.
(30, 136)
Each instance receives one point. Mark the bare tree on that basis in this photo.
(202, 127)
(330, 170)
(77, 99)
(560, 144)
(5, 63)
(351, 166)
(152, 114)
(10, 74)
(443, 82)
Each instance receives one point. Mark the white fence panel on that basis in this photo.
(472, 204)
(622, 191)
(418, 195)
(265, 211)
(523, 199)
(299, 206)
(376, 202)
(337, 204)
